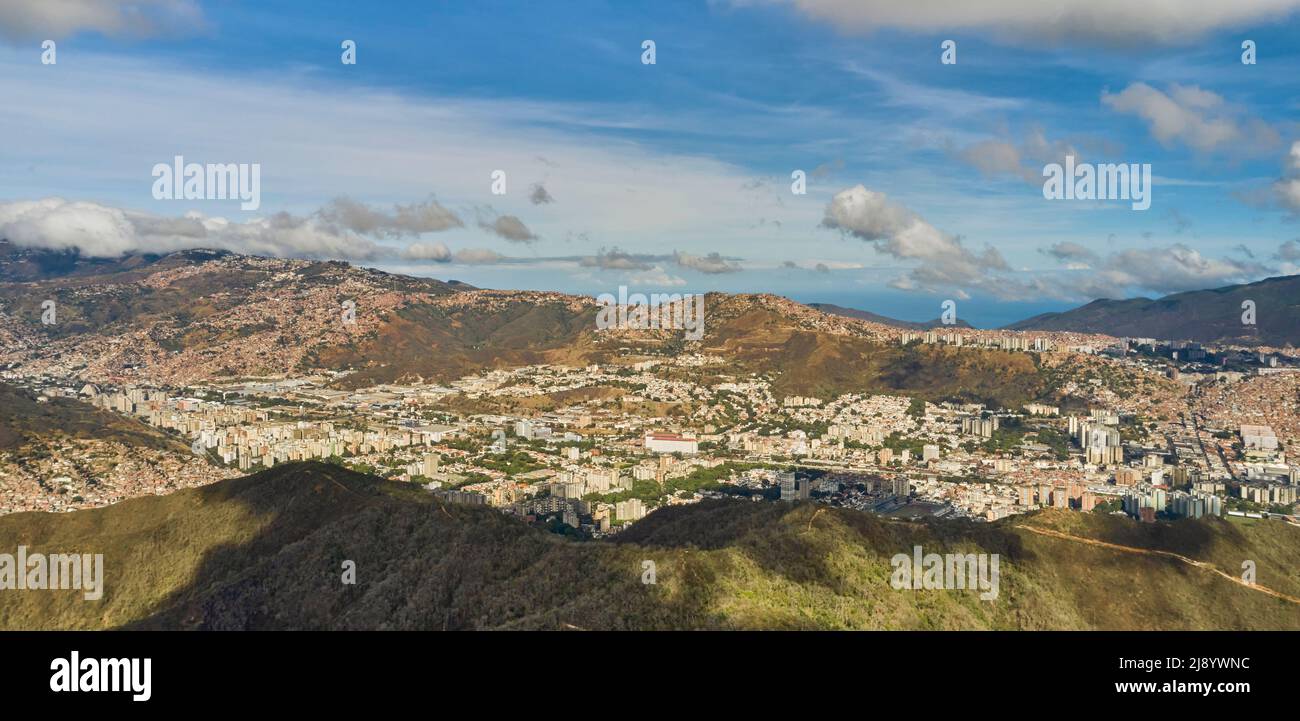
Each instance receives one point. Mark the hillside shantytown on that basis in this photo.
(1152, 429)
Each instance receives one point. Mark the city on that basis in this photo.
(1194, 441)
(958, 339)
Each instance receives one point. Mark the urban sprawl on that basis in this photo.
(1212, 439)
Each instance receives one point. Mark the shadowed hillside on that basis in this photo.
(267, 551)
(1201, 315)
(23, 418)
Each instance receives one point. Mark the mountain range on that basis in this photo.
(866, 315)
(201, 315)
(1208, 316)
(1218, 315)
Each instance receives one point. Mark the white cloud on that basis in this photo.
(413, 219)
(712, 264)
(616, 259)
(945, 264)
(1194, 117)
(312, 148)
(53, 19)
(1074, 255)
(437, 252)
(1169, 269)
(103, 231)
(995, 157)
(1287, 188)
(1042, 22)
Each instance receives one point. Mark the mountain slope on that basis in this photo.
(23, 419)
(197, 316)
(60, 454)
(267, 551)
(866, 315)
(1203, 315)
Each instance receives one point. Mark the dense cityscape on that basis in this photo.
(1208, 435)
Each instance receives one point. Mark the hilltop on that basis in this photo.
(266, 551)
(1207, 316)
(200, 315)
(833, 309)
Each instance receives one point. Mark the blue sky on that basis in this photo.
(924, 179)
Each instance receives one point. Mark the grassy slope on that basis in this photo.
(265, 551)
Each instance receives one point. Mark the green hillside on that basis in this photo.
(266, 552)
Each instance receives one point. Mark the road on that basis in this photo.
(1168, 554)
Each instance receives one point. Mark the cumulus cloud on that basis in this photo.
(1024, 160)
(1109, 22)
(97, 230)
(509, 227)
(994, 157)
(712, 264)
(1072, 254)
(1170, 269)
(22, 20)
(402, 220)
(945, 264)
(437, 252)
(1197, 118)
(1286, 190)
(616, 259)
